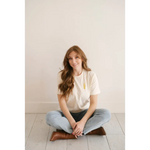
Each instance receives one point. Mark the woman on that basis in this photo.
(78, 91)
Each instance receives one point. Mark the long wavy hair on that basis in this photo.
(67, 85)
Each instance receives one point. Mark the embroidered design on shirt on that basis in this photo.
(84, 85)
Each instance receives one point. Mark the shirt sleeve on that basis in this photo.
(59, 80)
(94, 85)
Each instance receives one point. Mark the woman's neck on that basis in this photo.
(77, 72)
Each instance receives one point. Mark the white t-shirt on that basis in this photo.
(85, 85)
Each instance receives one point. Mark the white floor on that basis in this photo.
(38, 133)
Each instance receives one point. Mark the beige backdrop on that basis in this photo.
(52, 27)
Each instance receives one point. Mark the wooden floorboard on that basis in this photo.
(79, 143)
(38, 133)
(55, 145)
(38, 137)
(113, 127)
(29, 120)
(116, 142)
(96, 142)
(121, 120)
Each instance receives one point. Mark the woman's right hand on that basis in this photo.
(73, 124)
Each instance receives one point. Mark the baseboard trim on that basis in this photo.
(33, 107)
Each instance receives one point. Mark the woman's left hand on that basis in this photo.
(79, 128)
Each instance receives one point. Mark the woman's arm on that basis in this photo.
(64, 108)
(80, 125)
(93, 104)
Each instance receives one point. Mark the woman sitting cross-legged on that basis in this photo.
(77, 93)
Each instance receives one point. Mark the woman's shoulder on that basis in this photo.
(90, 73)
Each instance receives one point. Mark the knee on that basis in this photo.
(105, 112)
(50, 116)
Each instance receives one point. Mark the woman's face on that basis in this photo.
(75, 60)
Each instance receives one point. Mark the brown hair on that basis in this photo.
(67, 84)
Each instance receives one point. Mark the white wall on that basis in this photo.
(52, 27)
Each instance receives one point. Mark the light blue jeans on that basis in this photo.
(58, 120)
